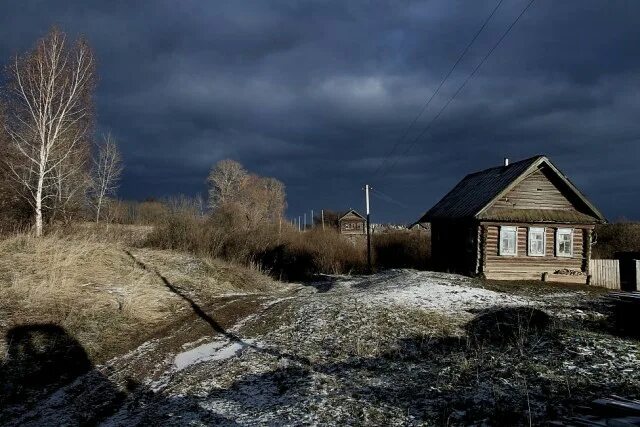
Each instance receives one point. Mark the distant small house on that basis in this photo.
(520, 221)
(352, 222)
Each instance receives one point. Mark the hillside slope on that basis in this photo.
(108, 296)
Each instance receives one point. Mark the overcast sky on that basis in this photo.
(316, 94)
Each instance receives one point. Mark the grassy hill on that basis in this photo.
(108, 295)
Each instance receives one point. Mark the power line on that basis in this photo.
(387, 198)
(475, 70)
(433, 95)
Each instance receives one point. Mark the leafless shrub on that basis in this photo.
(616, 237)
(252, 200)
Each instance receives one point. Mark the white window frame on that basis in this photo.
(531, 231)
(564, 231)
(502, 252)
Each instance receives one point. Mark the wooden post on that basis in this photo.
(322, 213)
(366, 188)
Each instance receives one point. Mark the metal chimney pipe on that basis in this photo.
(506, 161)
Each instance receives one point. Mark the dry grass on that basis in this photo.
(285, 253)
(280, 251)
(100, 295)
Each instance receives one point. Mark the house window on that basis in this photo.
(508, 240)
(564, 242)
(536, 241)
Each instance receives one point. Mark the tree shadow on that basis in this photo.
(217, 327)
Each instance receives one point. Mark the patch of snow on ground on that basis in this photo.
(217, 350)
(436, 291)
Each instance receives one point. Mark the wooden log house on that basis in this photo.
(351, 222)
(524, 221)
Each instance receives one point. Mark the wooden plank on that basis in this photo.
(605, 273)
(536, 191)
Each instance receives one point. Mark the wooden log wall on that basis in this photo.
(523, 266)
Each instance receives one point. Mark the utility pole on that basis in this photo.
(311, 218)
(299, 223)
(366, 190)
(322, 213)
(305, 222)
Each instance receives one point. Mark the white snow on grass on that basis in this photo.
(216, 350)
(436, 291)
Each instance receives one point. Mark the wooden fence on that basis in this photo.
(605, 273)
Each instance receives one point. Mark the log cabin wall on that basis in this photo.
(524, 266)
(352, 226)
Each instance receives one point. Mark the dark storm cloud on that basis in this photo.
(317, 93)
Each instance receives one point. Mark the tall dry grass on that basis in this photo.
(402, 249)
(86, 287)
(276, 249)
(100, 295)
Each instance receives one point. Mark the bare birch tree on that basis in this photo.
(106, 173)
(225, 181)
(50, 115)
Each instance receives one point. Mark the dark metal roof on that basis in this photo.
(476, 190)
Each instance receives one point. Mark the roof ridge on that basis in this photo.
(528, 159)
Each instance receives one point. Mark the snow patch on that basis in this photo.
(216, 350)
(442, 292)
